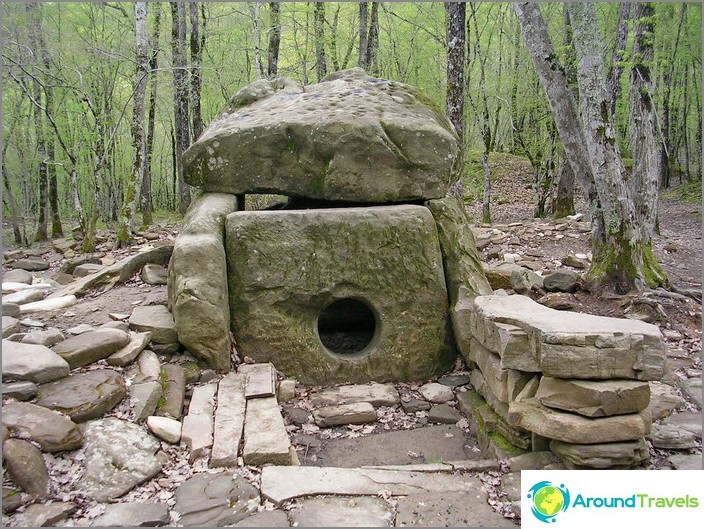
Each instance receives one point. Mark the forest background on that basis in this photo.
(99, 100)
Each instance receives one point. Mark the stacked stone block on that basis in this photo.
(575, 384)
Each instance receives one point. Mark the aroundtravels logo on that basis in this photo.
(548, 500)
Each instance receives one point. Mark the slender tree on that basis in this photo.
(321, 68)
(363, 42)
(146, 191)
(373, 41)
(456, 14)
(181, 96)
(197, 43)
(617, 59)
(272, 52)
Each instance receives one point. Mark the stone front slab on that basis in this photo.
(261, 380)
(574, 345)
(448, 509)
(357, 413)
(84, 396)
(594, 398)
(155, 319)
(51, 430)
(571, 428)
(265, 437)
(133, 514)
(626, 454)
(229, 421)
(118, 457)
(342, 511)
(350, 137)
(91, 346)
(197, 282)
(215, 500)
(276, 309)
(373, 393)
(35, 363)
(280, 484)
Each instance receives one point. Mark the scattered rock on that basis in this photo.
(17, 276)
(356, 413)
(23, 390)
(26, 467)
(692, 387)
(286, 390)
(130, 351)
(685, 461)
(275, 518)
(149, 367)
(144, 398)
(46, 305)
(626, 454)
(663, 399)
(174, 392)
(153, 274)
(80, 329)
(91, 346)
(454, 381)
(155, 319)
(436, 393)
(559, 301)
(47, 338)
(265, 437)
(31, 264)
(344, 511)
(24, 296)
(10, 326)
(299, 416)
(53, 431)
(45, 514)
(12, 500)
(575, 262)
(415, 405)
(444, 414)
(671, 437)
(687, 420)
(86, 269)
(561, 281)
(35, 363)
(11, 310)
(133, 514)
(165, 428)
(261, 380)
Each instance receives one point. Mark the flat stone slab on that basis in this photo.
(24, 296)
(692, 387)
(91, 346)
(149, 366)
(574, 345)
(349, 137)
(17, 276)
(155, 319)
(45, 514)
(51, 430)
(343, 511)
(144, 398)
(261, 380)
(130, 351)
(362, 326)
(530, 415)
(686, 420)
(48, 338)
(671, 437)
(444, 414)
(229, 420)
(133, 514)
(625, 454)
(197, 430)
(10, 326)
(280, 484)
(35, 363)
(215, 500)
(664, 399)
(403, 447)
(357, 413)
(265, 437)
(84, 396)
(448, 509)
(31, 264)
(22, 390)
(174, 393)
(118, 457)
(373, 393)
(275, 518)
(594, 398)
(686, 461)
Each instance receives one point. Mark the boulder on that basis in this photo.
(349, 138)
(31, 264)
(17, 276)
(26, 466)
(53, 431)
(10, 326)
(35, 363)
(561, 281)
(91, 346)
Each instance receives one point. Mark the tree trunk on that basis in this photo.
(563, 200)
(456, 14)
(373, 41)
(614, 78)
(146, 191)
(363, 45)
(272, 52)
(254, 8)
(181, 121)
(197, 42)
(321, 68)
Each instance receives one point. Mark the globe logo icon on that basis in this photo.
(548, 500)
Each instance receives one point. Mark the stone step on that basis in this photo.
(265, 436)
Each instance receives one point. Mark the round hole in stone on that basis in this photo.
(347, 326)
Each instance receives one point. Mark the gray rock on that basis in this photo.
(84, 396)
(286, 390)
(91, 346)
(436, 393)
(12, 500)
(69, 266)
(34, 324)
(10, 326)
(23, 297)
(671, 437)
(229, 421)
(122, 325)
(198, 425)
(350, 137)
(686, 461)
(533, 461)
(524, 281)
(17, 276)
(415, 405)
(47, 338)
(155, 319)
(275, 518)
(454, 381)
(165, 428)
(118, 457)
(560, 301)
(626, 454)
(45, 514)
(80, 329)
(530, 415)
(197, 293)
(23, 390)
(154, 274)
(342, 511)
(31, 264)
(130, 351)
(35, 363)
(11, 309)
(53, 431)
(575, 262)
(133, 514)
(149, 367)
(692, 387)
(261, 380)
(373, 393)
(452, 509)
(280, 484)
(357, 413)
(306, 336)
(165, 349)
(664, 399)
(687, 420)
(444, 414)
(144, 398)
(26, 467)
(594, 398)
(265, 437)
(215, 500)
(561, 281)
(174, 392)
(87, 269)
(298, 416)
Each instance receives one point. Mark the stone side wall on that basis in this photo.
(575, 384)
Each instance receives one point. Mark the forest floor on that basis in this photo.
(678, 249)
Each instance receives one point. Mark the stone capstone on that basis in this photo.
(51, 430)
(277, 311)
(350, 137)
(91, 346)
(35, 363)
(197, 280)
(84, 396)
(215, 500)
(118, 457)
